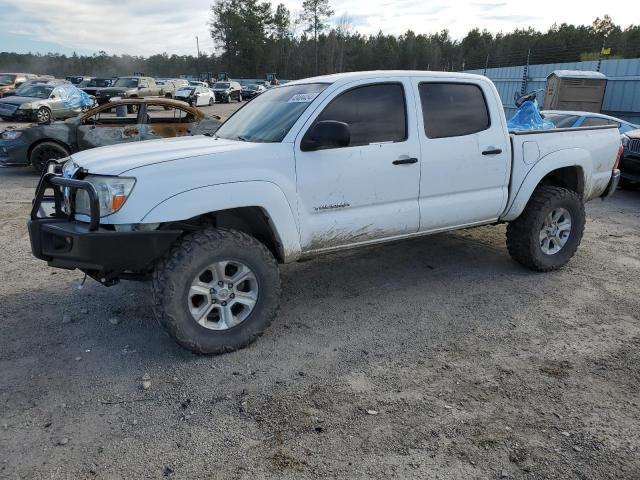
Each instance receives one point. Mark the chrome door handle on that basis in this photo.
(405, 161)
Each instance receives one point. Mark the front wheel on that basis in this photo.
(547, 233)
(43, 115)
(216, 291)
(44, 152)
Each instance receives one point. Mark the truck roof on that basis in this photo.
(352, 76)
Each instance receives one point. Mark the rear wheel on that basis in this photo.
(44, 152)
(547, 233)
(216, 291)
(211, 101)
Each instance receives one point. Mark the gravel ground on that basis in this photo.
(437, 357)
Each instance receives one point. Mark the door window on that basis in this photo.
(375, 113)
(453, 109)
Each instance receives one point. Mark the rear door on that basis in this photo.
(367, 190)
(159, 122)
(465, 153)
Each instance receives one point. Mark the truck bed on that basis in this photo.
(590, 150)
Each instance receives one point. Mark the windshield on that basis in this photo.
(270, 116)
(186, 91)
(6, 79)
(36, 91)
(126, 82)
(99, 82)
(251, 87)
(221, 85)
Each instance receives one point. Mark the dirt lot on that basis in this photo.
(439, 357)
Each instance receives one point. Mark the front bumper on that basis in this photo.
(102, 253)
(613, 184)
(630, 166)
(19, 115)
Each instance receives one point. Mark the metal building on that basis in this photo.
(621, 97)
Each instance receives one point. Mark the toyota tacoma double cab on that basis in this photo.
(310, 167)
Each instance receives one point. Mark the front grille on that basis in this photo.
(634, 146)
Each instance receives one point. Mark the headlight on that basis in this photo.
(26, 106)
(11, 134)
(625, 141)
(112, 193)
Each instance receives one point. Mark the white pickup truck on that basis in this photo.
(310, 167)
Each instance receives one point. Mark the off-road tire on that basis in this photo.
(172, 278)
(45, 151)
(523, 234)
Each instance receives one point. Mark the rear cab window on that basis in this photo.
(452, 109)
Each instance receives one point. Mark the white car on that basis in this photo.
(195, 96)
(310, 167)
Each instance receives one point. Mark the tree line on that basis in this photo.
(253, 38)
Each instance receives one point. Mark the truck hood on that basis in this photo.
(120, 158)
(114, 91)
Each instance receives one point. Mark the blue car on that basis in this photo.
(567, 119)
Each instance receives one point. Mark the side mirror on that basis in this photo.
(53, 96)
(326, 134)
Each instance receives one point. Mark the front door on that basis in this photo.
(465, 154)
(367, 190)
(108, 126)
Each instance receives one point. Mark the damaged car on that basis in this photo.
(93, 86)
(44, 102)
(108, 124)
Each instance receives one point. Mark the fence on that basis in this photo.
(621, 99)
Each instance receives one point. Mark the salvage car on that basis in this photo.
(129, 87)
(33, 81)
(307, 168)
(195, 96)
(11, 81)
(39, 144)
(226, 91)
(570, 119)
(43, 102)
(252, 90)
(95, 84)
(630, 162)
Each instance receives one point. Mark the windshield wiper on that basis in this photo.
(242, 138)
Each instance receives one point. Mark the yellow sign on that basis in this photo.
(606, 51)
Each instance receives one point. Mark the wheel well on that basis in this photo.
(50, 140)
(253, 221)
(571, 178)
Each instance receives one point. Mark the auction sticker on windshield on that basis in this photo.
(302, 98)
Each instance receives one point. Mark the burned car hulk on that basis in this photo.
(39, 144)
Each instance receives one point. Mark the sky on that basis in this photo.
(146, 27)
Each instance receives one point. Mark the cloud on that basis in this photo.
(489, 6)
(144, 27)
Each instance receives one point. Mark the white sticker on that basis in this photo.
(302, 98)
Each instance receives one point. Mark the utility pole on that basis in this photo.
(486, 65)
(198, 60)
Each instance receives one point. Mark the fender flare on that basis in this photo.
(211, 198)
(570, 157)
